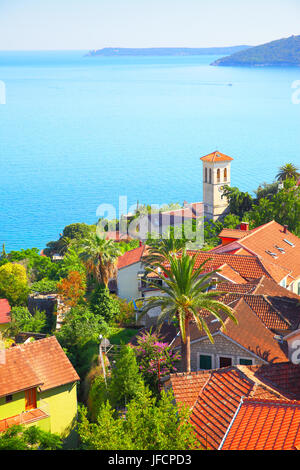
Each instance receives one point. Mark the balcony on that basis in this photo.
(26, 417)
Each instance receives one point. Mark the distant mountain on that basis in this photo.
(165, 51)
(283, 52)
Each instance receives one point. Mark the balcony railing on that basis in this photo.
(26, 417)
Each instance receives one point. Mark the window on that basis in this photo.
(225, 361)
(205, 362)
(210, 175)
(205, 175)
(8, 398)
(218, 175)
(245, 362)
(225, 174)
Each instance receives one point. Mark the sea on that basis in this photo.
(77, 133)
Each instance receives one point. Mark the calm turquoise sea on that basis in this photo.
(77, 132)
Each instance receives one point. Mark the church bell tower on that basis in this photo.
(216, 175)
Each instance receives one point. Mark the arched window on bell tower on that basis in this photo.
(205, 177)
(225, 174)
(210, 175)
(218, 175)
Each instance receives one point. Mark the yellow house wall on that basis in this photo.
(13, 408)
(62, 405)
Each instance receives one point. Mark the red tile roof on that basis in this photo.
(220, 393)
(285, 377)
(250, 332)
(218, 401)
(267, 239)
(263, 286)
(216, 157)
(40, 363)
(186, 387)
(248, 267)
(4, 311)
(228, 273)
(131, 257)
(264, 425)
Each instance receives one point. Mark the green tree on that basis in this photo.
(79, 337)
(126, 381)
(160, 250)
(287, 171)
(32, 438)
(100, 256)
(266, 190)
(13, 283)
(239, 202)
(44, 286)
(284, 208)
(23, 321)
(104, 304)
(184, 293)
(150, 424)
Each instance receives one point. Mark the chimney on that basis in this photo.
(244, 226)
(285, 227)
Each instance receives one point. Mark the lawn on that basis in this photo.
(121, 335)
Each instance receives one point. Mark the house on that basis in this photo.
(266, 314)
(235, 269)
(273, 244)
(5, 318)
(247, 343)
(38, 387)
(130, 267)
(216, 398)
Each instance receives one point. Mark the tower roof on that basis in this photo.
(216, 157)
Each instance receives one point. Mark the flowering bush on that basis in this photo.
(155, 358)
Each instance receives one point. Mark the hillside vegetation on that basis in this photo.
(283, 52)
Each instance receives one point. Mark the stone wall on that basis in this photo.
(221, 347)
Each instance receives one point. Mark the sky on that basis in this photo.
(93, 24)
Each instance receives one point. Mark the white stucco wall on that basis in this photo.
(127, 279)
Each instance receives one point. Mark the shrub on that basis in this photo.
(104, 304)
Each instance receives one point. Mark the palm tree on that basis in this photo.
(100, 256)
(159, 251)
(65, 243)
(287, 171)
(185, 292)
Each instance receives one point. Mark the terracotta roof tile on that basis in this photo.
(131, 257)
(264, 425)
(248, 267)
(40, 363)
(218, 402)
(4, 311)
(250, 332)
(186, 387)
(268, 238)
(219, 395)
(216, 157)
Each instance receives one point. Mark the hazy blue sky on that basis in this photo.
(89, 24)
